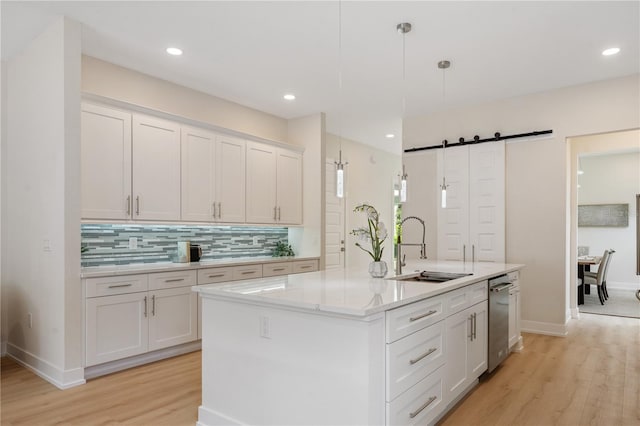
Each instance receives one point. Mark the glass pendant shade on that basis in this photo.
(444, 198)
(339, 181)
(403, 190)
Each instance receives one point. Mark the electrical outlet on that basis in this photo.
(255, 241)
(265, 330)
(46, 245)
(29, 320)
(133, 243)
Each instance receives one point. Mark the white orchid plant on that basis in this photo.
(375, 233)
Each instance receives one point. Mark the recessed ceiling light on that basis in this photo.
(289, 96)
(389, 136)
(174, 51)
(611, 51)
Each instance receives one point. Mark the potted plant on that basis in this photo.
(374, 233)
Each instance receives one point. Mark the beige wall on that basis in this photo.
(41, 206)
(115, 82)
(537, 196)
(369, 177)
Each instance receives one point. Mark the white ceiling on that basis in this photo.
(253, 52)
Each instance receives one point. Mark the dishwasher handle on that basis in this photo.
(499, 288)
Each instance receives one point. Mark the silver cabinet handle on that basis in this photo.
(422, 407)
(137, 205)
(275, 213)
(424, 355)
(473, 253)
(128, 205)
(216, 276)
(175, 280)
(153, 305)
(145, 306)
(214, 209)
(248, 272)
(305, 267)
(219, 210)
(120, 285)
(278, 269)
(475, 324)
(279, 213)
(470, 327)
(431, 312)
(464, 253)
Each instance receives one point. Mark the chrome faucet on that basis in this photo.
(423, 247)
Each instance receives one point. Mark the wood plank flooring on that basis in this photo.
(590, 377)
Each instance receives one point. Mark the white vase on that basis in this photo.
(378, 269)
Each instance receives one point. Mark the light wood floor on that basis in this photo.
(591, 377)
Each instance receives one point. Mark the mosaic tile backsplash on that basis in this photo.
(109, 244)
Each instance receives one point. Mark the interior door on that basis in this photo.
(334, 219)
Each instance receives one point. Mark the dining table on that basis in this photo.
(584, 263)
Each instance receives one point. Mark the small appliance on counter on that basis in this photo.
(195, 253)
(184, 252)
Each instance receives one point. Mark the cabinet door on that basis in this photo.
(289, 187)
(117, 327)
(230, 179)
(453, 221)
(486, 201)
(198, 180)
(477, 362)
(173, 317)
(156, 169)
(261, 183)
(105, 163)
(457, 340)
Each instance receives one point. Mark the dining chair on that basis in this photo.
(599, 278)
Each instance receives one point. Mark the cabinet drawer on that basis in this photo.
(413, 358)
(108, 286)
(175, 279)
(246, 272)
(411, 318)
(464, 297)
(215, 275)
(420, 404)
(273, 269)
(304, 266)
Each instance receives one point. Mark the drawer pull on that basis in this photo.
(145, 306)
(216, 276)
(422, 407)
(431, 312)
(175, 280)
(248, 272)
(278, 269)
(305, 267)
(424, 355)
(120, 285)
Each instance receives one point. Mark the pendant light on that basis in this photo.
(443, 65)
(403, 28)
(339, 164)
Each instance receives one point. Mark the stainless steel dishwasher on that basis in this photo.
(498, 320)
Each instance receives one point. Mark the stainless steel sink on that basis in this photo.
(434, 277)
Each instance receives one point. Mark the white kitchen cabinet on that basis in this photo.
(274, 185)
(472, 226)
(213, 177)
(105, 163)
(466, 348)
(156, 169)
(173, 317)
(515, 341)
(116, 327)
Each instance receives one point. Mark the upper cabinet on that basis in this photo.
(105, 163)
(142, 168)
(156, 169)
(274, 185)
(472, 226)
(213, 177)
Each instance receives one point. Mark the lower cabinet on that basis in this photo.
(466, 346)
(121, 323)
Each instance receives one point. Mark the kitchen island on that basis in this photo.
(338, 347)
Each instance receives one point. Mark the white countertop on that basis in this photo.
(144, 268)
(352, 291)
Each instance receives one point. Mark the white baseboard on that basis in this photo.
(134, 361)
(208, 417)
(62, 379)
(3, 348)
(575, 313)
(621, 285)
(548, 328)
